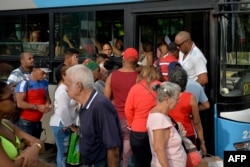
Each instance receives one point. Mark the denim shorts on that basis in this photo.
(32, 128)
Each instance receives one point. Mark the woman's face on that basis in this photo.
(7, 102)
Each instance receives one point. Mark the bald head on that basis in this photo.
(27, 60)
(183, 35)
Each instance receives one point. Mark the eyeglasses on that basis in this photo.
(10, 97)
(179, 45)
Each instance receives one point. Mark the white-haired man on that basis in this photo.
(100, 132)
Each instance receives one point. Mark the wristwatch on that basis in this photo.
(35, 107)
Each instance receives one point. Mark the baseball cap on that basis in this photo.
(172, 65)
(43, 65)
(131, 53)
(90, 64)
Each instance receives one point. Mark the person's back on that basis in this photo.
(121, 82)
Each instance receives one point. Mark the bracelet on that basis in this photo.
(38, 145)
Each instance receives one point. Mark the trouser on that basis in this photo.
(99, 164)
(32, 128)
(61, 136)
(140, 146)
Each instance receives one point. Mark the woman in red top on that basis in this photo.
(141, 99)
(186, 110)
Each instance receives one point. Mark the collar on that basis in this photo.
(90, 100)
(23, 71)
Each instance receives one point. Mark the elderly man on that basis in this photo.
(22, 72)
(100, 132)
(191, 58)
(32, 98)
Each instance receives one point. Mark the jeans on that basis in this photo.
(140, 146)
(99, 164)
(32, 128)
(61, 136)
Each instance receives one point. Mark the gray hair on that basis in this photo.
(80, 73)
(166, 89)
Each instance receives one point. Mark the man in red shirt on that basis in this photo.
(116, 89)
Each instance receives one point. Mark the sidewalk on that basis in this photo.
(49, 155)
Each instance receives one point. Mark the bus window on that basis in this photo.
(235, 55)
(86, 31)
(24, 33)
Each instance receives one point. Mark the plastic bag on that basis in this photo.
(73, 157)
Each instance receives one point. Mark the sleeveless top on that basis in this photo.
(10, 149)
(182, 111)
(121, 82)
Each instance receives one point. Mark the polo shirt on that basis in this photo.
(100, 129)
(17, 75)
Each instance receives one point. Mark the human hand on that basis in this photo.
(203, 148)
(44, 108)
(29, 157)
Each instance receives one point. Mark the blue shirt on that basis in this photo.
(99, 129)
(197, 90)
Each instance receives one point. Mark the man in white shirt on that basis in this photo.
(191, 58)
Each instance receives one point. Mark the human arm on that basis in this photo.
(107, 89)
(204, 106)
(21, 103)
(197, 124)
(113, 157)
(202, 79)
(66, 39)
(161, 136)
(30, 155)
(150, 58)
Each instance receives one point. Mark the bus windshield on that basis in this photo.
(235, 53)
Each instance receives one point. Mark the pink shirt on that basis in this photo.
(174, 150)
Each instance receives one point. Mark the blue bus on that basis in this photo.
(220, 28)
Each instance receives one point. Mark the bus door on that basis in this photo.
(151, 27)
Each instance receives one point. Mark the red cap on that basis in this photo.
(131, 53)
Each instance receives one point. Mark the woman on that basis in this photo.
(147, 54)
(140, 100)
(63, 120)
(165, 141)
(13, 139)
(186, 110)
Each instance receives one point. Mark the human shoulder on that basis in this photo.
(158, 120)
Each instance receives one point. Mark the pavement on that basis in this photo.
(50, 155)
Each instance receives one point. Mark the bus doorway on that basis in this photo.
(151, 27)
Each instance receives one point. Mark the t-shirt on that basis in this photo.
(18, 75)
(36, 92)
(197, 90)
(174, 150)
(194, 63)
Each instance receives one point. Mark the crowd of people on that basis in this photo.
(122, 110)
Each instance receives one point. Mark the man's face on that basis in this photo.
(27, 61)
(181, 44)
(71, 87)
(106, 49)
(40, 74)
(74, 59)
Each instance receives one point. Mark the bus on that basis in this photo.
(220, 28)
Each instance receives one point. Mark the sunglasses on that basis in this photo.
(179, 45)
(10, 97)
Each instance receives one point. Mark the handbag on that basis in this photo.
(73, 157)
(193, 156)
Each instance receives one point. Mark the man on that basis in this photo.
(116, 89)
(22, 72)
(71, 57)
(195, 88)
(32, 98)
(100, 133)
(191, 58)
